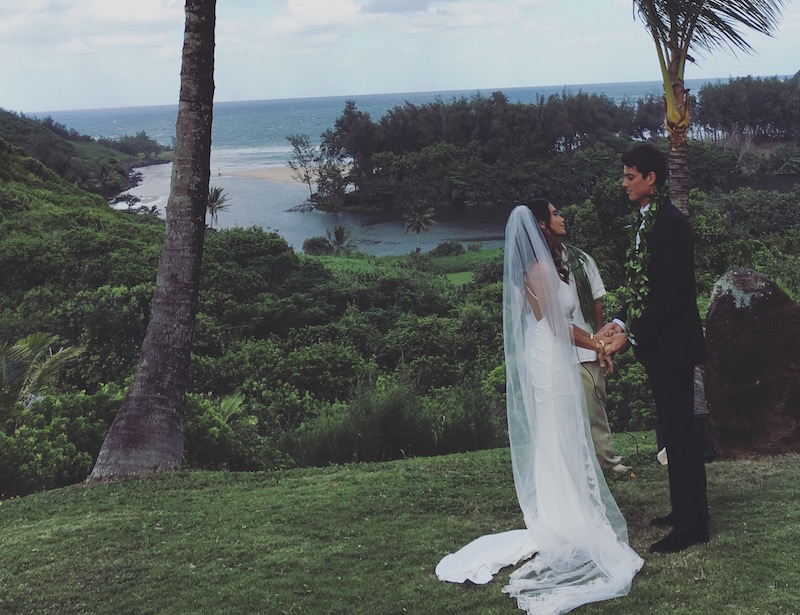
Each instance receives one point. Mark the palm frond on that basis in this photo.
(710, 24)
(28, 366)
(44, 373)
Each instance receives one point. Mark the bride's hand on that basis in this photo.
(608, 364)
(604, 358)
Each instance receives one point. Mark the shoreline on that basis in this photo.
(281, 174)
(274, 174)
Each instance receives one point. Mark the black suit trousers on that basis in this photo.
(673, 392)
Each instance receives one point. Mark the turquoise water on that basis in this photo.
(252, 134)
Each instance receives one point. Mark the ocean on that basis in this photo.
(251, 135)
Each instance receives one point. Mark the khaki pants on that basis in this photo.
(594, 388)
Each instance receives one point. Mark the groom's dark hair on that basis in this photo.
(646, 158)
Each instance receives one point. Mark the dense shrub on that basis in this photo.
(279, 406)
(384, 420)
(630, 402)
(238, 362)
(432, 346)
(55, 441)
(109, 323)
(467, 417)
(221, 435)
(317, 246)
(38, 455)
(329, 370)
(243, 263)
(489, 272)
(448, 248)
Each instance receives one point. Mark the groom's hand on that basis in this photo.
(616, 343)
(609, 330)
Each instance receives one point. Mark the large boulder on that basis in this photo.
(753, 370)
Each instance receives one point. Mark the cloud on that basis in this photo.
(312, 17)
(465, 16)
(82, 25)
(395, 6)
(141, 12)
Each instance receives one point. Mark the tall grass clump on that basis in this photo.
(383, 421)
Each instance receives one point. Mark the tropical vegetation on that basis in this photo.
(299, 359)
(29, 366)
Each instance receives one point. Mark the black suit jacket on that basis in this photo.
(669, 332)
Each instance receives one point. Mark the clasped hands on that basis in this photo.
(614, 339)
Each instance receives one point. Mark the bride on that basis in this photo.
(574, 529)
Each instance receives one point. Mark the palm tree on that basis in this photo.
(217, 202)
(340, 240)
(28, 366)
(419, 219)
(147, 435)
(678, 26)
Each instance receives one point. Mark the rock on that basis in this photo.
(752, 377)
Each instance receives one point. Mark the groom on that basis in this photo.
(667, 335)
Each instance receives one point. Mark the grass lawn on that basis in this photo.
(460, 278)
(468, 261)
(365, 538)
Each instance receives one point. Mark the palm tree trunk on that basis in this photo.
(679, 168)
(678, 121)
(147, 435)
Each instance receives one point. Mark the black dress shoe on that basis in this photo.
(666, 520)
(678, 540)
(669, 520)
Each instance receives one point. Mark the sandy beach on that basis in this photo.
(273, 174)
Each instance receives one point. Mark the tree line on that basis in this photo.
(761, 109)
(484, 151)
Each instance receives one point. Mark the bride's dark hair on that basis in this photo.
(541, 211)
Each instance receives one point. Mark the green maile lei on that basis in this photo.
(578, 260)
(637, 281)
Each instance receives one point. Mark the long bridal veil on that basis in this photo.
(574, 529)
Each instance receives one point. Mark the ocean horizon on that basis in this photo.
(251, 135)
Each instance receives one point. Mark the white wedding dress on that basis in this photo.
(574, 529)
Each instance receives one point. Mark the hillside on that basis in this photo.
(58, 239)
(103, 168)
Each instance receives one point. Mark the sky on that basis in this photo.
(89, 54)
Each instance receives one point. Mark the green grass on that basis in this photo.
(365, 538)
(460, 278)
(468, 261)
